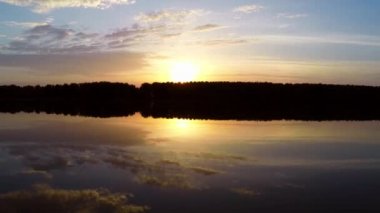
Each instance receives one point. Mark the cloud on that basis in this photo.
(168, 15)
(222, 42)
(43, 198)
(48, 31)
(43, 39)
(138, 34)
(283, 26)
(292, 16)
(28, 24)
(247, 9)
(171, 35)
(360, 40)
(152, 27)
(43, 6)
(207, 27)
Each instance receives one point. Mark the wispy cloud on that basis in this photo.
(252, 8)
(43, 6)
(153, 27)
(168, 15)
(283, 26)
(360, 40)
(140, 34)
(223, 42)
(135, 31)
(292, 16)
(28, 24)
(208, 27)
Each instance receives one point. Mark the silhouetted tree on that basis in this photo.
(200, 100)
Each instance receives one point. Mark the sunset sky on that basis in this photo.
(136, 41)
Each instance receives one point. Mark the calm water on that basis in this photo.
(171, 165)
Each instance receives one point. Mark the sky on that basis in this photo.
(136, 41)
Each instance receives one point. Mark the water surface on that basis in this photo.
(174, 165)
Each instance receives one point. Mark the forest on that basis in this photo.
(198, 100)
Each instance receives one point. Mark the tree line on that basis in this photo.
(199, 100)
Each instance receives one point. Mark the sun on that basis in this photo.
(184, 72)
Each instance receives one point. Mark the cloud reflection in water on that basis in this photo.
(239, 164)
